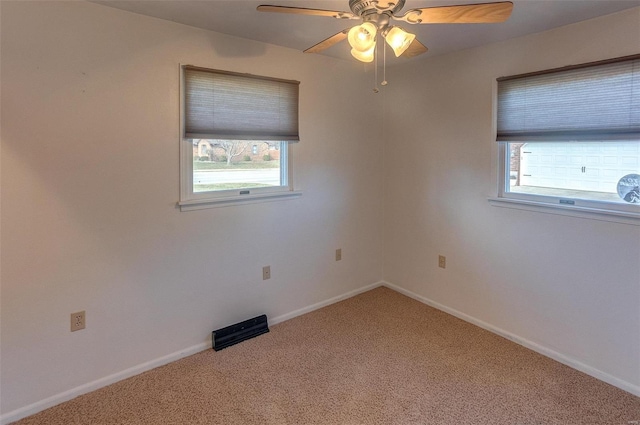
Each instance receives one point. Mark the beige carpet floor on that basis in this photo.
(377, 358)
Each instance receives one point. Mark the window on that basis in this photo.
(570, 137)
(227, 119)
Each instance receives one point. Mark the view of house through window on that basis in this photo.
(570, 137)
(237, 164)
(596, 171)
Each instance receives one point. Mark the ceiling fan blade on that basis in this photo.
(415, 48)
(483, 13)
(326, 43)
(304, 11)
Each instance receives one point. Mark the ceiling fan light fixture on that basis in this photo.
(362, 37)
(399, 40)
(376, 16)
(366, 56)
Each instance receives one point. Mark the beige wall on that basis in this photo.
(568, 286)
(89, 218)
(90, 222)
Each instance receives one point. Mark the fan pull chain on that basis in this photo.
(375, 53)
(384, 64)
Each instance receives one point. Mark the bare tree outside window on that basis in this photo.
(232, 149)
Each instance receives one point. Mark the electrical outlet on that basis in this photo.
(266, 272)
(338, 254)
(442, 261)
(77, 321)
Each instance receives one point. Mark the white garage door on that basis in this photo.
(592, 166)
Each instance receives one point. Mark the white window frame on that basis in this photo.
(591, 209)
(190, 200)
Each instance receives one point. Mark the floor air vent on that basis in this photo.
(230, 335)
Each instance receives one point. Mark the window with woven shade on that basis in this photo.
(570, 137)
(236, 135)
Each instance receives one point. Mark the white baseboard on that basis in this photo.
(325, 303)
(566, 360)
(135, 370)
(41, 405)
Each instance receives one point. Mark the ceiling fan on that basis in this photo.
(376, 16)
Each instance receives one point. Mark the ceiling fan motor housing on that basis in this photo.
(367, 7)
(378, 12)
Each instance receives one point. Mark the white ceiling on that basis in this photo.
(240, 18)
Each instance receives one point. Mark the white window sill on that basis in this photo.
(200, 204)
(568, 210)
